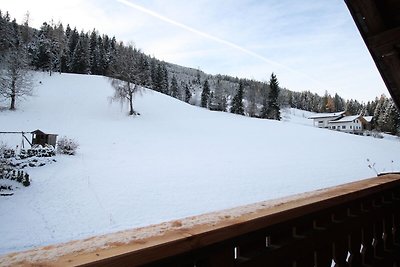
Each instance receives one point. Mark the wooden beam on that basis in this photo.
(379, 25)
(207, 238)
(367, 15)
(386, 40)
(13, 132)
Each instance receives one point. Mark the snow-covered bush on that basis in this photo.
(3, 147)
(37, 151)
(67, 146)
(3, 160)
(374, 134)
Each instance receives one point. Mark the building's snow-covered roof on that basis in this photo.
(368, 118)
(346, 119)
(326, 115)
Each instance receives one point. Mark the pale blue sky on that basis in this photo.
(310, 45)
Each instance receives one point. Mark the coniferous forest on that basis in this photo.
(61, 48)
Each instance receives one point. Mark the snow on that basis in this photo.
(346, 119)
(325, 115)
(173, 161)
(368, 118)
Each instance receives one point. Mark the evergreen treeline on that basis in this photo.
(55, 48)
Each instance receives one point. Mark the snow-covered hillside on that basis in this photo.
(172, 161)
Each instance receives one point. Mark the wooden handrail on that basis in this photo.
(359, 219)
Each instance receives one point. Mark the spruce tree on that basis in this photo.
(5, 33)
(94, 53)
(81, 58)
(165, 79)
(252, 106)
(174, 87)
(237, 102)
(153, 73)
(264, 109)
(219, 97)
(42, 51)
(273, 110)
(73, 39)
(144, 69)
(198, 80)
(205, 95)
(188, 94)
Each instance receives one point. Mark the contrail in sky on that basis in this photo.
(214, 38)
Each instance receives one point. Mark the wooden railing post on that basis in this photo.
(355, 258)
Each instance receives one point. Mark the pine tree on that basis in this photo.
(252, 106)
(81, 59)
(6, 33)
(144, 69)
(153, 73)
(264, 109)
(273, 110)
(59, 48)
(165, 79)
(205, 95)
(378, 116)
(237, 102)
(324, 102)
(94, 53)
(339, 103)
(158, 79)
(198, 78)
(103, 65)
(393, 118)
(188, 94)
(174, 88)
(218, 101)
(106, 50)
(72, 42)
(42, 54)
(26, 30)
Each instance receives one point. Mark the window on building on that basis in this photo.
(343, 126)
(351, 127)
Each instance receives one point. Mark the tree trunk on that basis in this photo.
(13, 93)
(130, 98)
(131, 111)
(12, 106)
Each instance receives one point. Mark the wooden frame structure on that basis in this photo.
(356, 224)
(379, 24)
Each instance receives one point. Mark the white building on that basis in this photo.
(340, 122)
(349, 124)
(321, 120)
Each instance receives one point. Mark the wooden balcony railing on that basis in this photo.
(356, 224)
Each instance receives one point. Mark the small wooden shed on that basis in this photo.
(41, 138)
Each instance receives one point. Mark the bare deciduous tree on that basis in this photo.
(125, 91)
(15, 79)
(126, 76)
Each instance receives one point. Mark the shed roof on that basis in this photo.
(37, 131)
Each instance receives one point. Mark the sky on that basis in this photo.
(310, 45)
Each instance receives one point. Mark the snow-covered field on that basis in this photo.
(173, 161)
